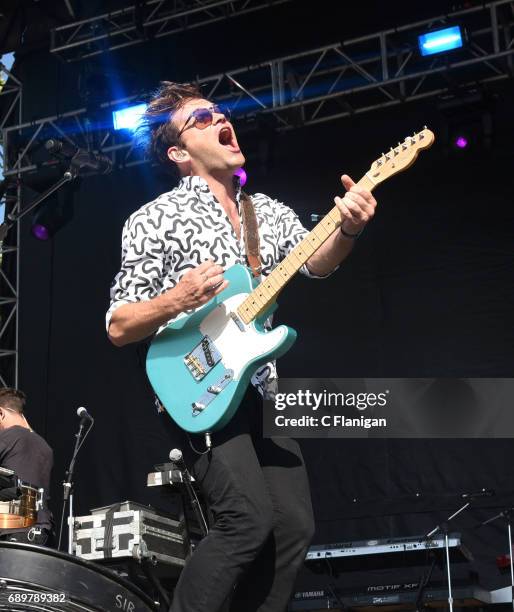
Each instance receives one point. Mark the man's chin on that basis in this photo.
(238, 160)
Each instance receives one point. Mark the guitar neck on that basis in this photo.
(396, 160)
(265, 294)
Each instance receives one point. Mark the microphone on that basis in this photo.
(84, 414)
(481, 493)
(176, 456)
(85, 160)
(170, 473)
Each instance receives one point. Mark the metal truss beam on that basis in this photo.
(129, 26)
(335, 81)
(10, 247)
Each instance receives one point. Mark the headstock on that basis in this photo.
(399, 158)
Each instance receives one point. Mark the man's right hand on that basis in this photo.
(200, 285)
(134, 321)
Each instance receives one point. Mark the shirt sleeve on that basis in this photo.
(143, 256)
(290, 232)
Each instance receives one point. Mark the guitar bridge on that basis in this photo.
(202, 358)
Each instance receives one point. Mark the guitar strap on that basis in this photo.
(251, 231)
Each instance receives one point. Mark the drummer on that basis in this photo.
(29, 456)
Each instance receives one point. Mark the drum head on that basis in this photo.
(37, 578)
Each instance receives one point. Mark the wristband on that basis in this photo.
(348, 235)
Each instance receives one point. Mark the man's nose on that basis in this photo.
(219, 118)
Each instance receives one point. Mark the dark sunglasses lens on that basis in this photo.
(203, 118)
(224, 110)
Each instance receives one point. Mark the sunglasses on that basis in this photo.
(202, 117)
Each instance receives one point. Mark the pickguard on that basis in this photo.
(238, 347)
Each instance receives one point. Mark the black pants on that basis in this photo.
(258, 493)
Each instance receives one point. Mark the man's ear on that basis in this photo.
(178, 155)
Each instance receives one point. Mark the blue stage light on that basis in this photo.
(440, 40)
(128, 118)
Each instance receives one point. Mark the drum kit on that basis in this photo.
(39, 578)
(20, 511)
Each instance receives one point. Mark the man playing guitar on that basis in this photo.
(174, 253)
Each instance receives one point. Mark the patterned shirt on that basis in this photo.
(186, 226)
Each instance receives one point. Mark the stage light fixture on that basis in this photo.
(128, 118)
(40, 231)
(461, 142)
(439, 41)
(53, 214)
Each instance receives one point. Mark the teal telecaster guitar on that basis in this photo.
(201, 364)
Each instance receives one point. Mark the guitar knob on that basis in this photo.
(214, 389)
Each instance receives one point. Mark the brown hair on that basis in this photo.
(156, 133)
(12, 399)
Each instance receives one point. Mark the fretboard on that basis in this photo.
(265, 294)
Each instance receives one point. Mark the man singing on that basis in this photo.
(174, 252)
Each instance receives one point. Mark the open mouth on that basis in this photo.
(227, 138)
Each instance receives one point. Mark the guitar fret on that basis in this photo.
(306, 246)
(277, 280)
(320, 232)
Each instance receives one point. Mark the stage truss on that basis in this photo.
(11, 92)
(137, 24)
(331, 82)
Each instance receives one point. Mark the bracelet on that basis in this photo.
(348, 235)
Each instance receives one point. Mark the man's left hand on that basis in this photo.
(357, 206)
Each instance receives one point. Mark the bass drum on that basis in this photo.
(37, 578)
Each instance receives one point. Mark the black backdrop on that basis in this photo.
(427, 292)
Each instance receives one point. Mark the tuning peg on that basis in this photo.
(379, 162)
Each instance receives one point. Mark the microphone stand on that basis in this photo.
(12, 219)
(68, 484)
(80, 164)
(507, 515)
(443, 528)
(195, 503)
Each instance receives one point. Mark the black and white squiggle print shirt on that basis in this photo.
(186, 226)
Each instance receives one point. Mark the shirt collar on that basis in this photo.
(199, 184)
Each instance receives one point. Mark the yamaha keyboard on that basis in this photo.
(383, 553)
(388, 598)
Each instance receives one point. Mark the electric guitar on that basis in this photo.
(200, 365)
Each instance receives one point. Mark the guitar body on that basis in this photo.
(200, 365)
